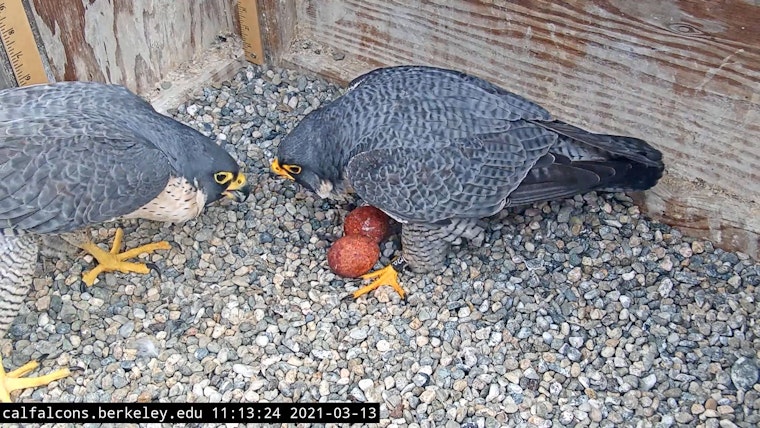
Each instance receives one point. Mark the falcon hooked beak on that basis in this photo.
(285, 171)
(238, 189)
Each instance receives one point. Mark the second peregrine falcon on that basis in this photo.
(438, 150)
(75, 154)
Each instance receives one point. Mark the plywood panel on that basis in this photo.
(278, 19)
(135, 43)
(685, 75)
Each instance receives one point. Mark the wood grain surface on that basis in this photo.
(278, 19)
(684, 75)
(135, 43)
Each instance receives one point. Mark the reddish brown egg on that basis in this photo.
(353, 255)
(367, 221)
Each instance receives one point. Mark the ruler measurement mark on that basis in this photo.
(19, 43)
(250, 31)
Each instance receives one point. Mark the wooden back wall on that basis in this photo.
(131, 42)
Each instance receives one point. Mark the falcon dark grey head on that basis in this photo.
(205, 164)
(222, 177)
(228, 181)
(309, 156)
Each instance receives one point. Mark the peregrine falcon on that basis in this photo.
(75, 154)
(438, 150)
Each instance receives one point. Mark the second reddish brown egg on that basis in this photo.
(367, 221)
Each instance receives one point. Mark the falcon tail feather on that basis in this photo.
(561, 180)
(631, 148)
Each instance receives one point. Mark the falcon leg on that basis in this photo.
(13, 380)
(18, 257)
(114, 261)
(385, 276)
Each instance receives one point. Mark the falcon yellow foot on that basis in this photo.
(13, 381)
(385, 276)
(114, 261)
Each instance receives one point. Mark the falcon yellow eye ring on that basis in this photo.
(223, 177)
(286, 171)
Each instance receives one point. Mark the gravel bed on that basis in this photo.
(579, 312)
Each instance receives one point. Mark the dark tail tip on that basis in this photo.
(634, 177)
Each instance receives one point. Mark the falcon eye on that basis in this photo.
(222, 177)
(293, 169)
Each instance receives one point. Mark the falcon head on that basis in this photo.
(310, 158)
(303, 176)
(222, 178)
(209, 167)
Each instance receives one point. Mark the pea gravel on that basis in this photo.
(579, 312)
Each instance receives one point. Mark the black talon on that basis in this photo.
(76, 369)
(154, 267)
(348, 296)
(46, 356)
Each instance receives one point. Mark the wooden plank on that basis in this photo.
(219, 63)
(685, 75)
(278, 20)
(20, 46)
(703, 212)
(135, 43)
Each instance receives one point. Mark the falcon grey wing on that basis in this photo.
(439, 194)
